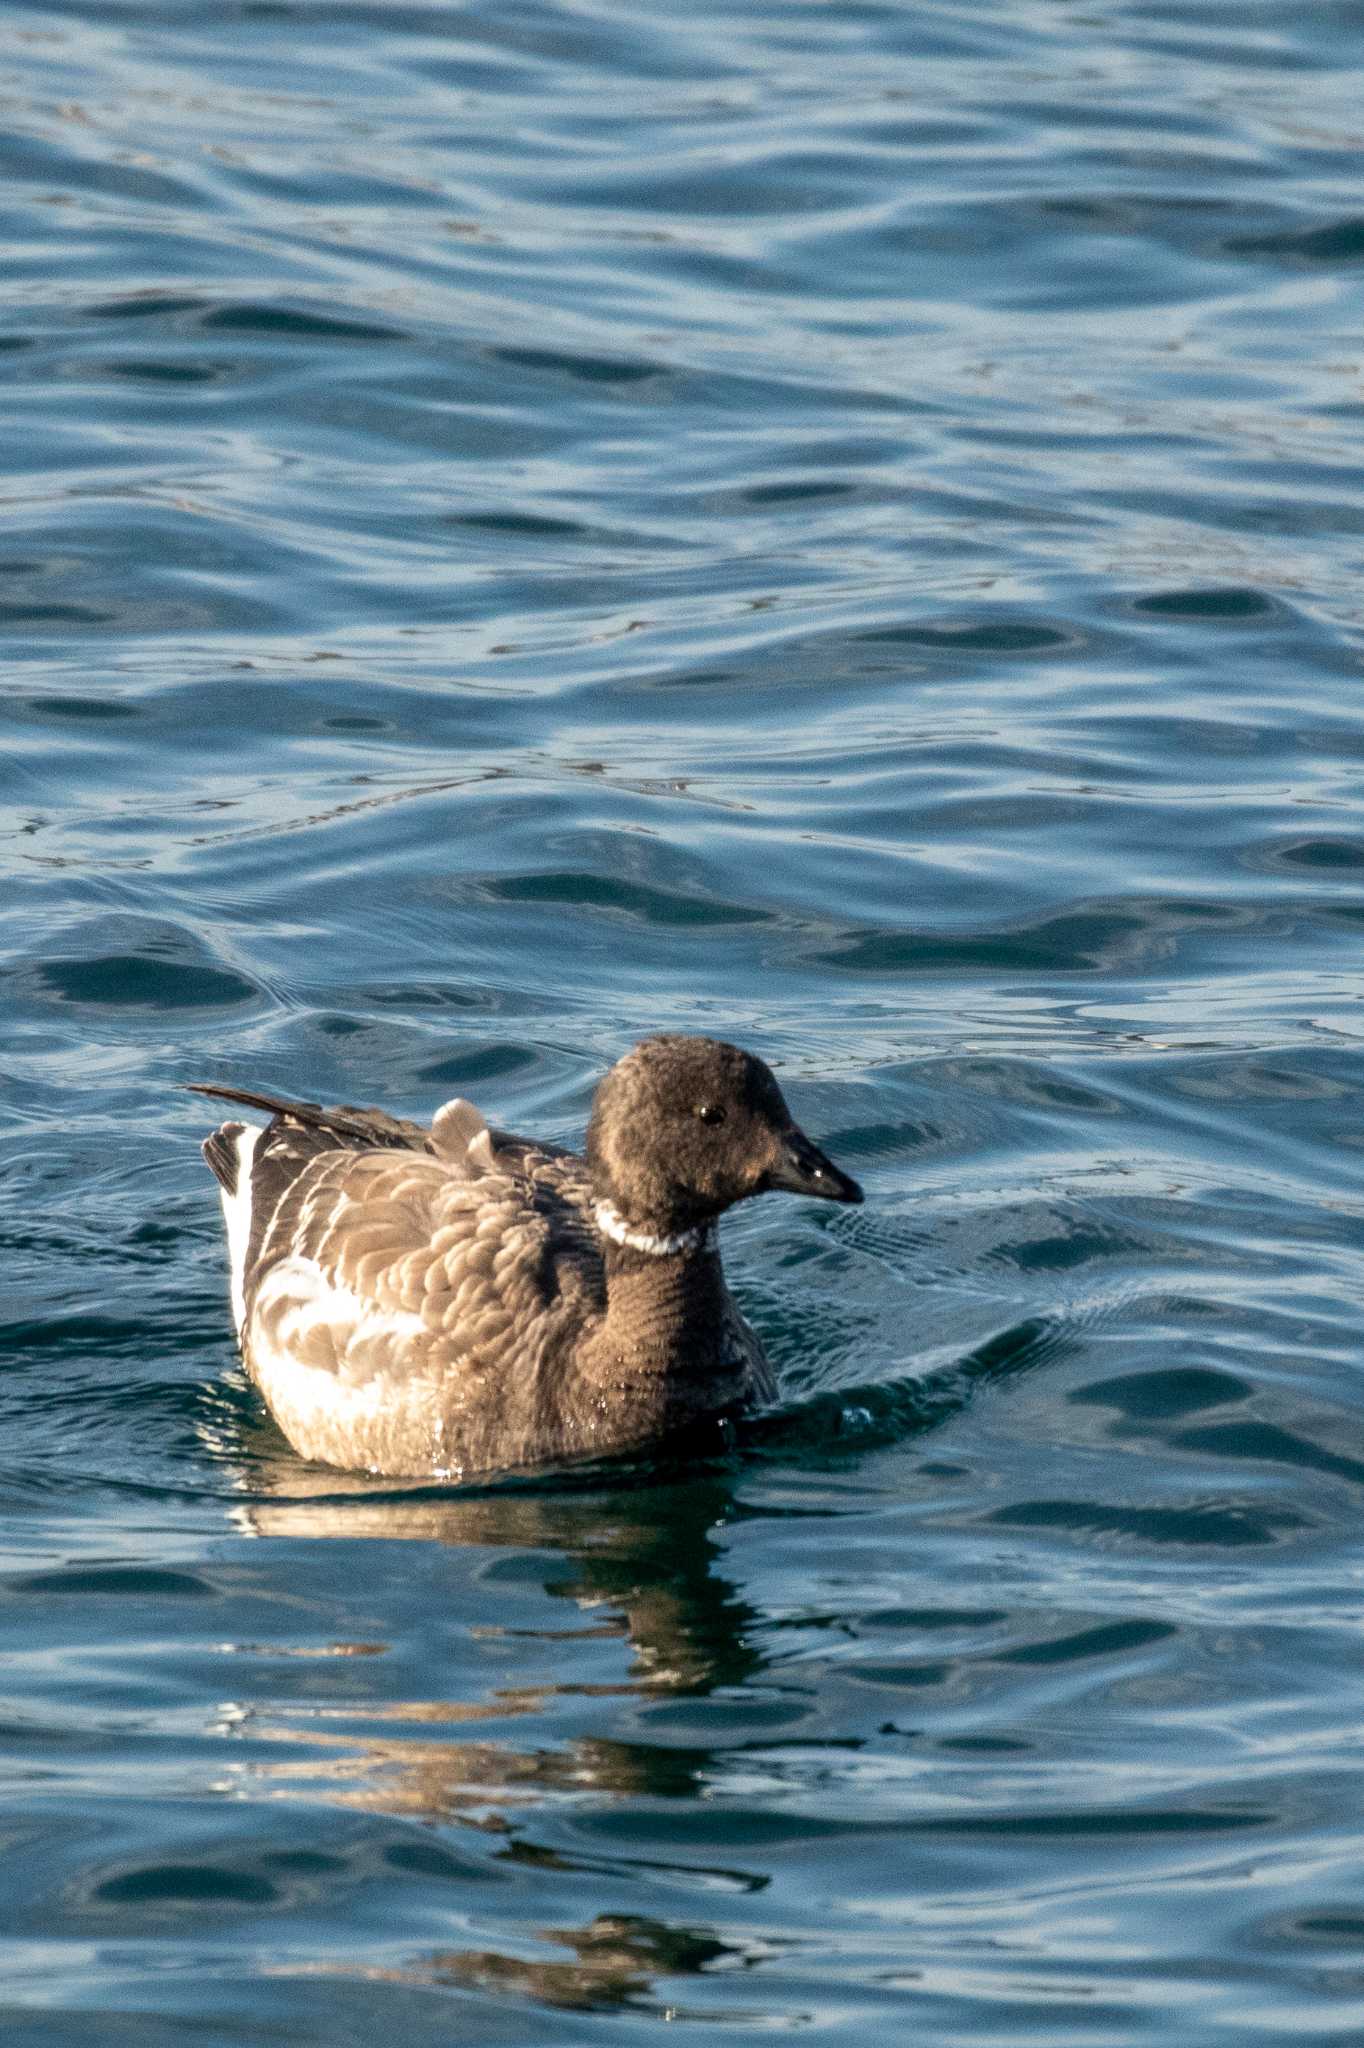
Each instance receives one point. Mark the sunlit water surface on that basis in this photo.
(837, 525)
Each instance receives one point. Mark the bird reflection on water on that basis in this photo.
(614, 1963)
(644, 1569)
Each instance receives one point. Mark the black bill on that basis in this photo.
(802, 1169)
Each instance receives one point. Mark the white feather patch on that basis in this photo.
(612, 1224)
(237, 1217)
(311, 1298)
(377, 1381)
(461, 1134)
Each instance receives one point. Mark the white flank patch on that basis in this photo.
(320, 1407)
(310, 1297)
(237, 1217)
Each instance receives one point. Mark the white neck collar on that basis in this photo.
(612, 1224)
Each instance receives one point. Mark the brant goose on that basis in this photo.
(456, 1301)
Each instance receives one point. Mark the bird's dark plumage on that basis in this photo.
(459, 1300)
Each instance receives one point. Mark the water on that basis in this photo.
(837, 525)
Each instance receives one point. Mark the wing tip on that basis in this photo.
(220, 1152)
(459, 1135)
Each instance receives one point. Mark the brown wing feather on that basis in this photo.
(406, 1232)
(384, 1267)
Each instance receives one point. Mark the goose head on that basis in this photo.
(683, 1128)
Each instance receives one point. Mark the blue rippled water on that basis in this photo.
(838, 525)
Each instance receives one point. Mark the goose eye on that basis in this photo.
(710, 1112)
